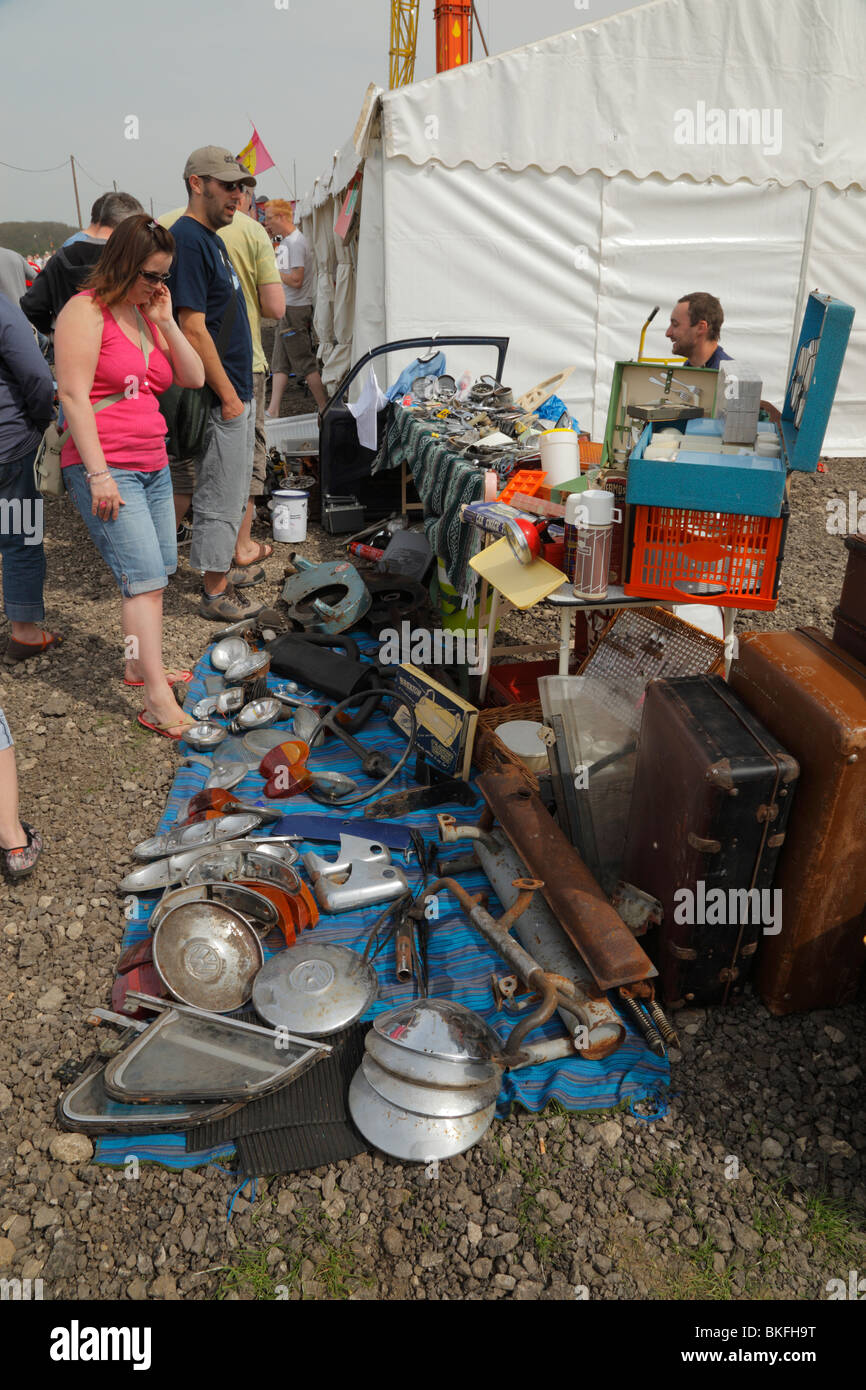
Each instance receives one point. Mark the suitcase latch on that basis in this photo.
(705, 846)
(728, 974)
(767, 812)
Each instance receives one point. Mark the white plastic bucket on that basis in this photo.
(289, 516)
(560, 456)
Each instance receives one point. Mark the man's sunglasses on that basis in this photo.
(228, 187)
(153, 279)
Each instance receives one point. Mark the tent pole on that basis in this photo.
(801, 287)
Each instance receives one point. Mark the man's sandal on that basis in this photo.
(22, 860)
(264, 552)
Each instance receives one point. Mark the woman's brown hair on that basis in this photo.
(125, 253)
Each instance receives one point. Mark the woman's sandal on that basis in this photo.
(165, 729)
(171, 677)
(23, 651)
(22, 860)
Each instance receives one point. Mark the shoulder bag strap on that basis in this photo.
(120, 395)
(146, 344)
(100, 405)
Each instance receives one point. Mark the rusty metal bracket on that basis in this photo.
(598, 932)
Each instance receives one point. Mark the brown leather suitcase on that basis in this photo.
(812, 695)
(850, 635)
(852, 600)
(713, 792)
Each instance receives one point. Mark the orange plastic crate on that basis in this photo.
(674, 550)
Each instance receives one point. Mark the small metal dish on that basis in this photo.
(248, 667)
(230, 649)
(205, 708)
(259, 742)
(254, 907)
(259, 714)
(423, 1070)
(207, 955)
(205, 734)
(230, 701)
(410, 1137)
(315, 987)
(208, 832)
(441, 1102)
(440, 1028)
(228, 863)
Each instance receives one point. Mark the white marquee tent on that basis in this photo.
(557, 192)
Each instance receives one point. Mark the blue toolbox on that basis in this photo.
(702, 474)
(687, 464)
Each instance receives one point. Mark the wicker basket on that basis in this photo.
(489, 753)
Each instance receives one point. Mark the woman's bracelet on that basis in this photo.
(104, 473)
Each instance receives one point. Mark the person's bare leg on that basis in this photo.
(314, 381)
(142, 627)
(246, 549)
(12, 832)
(214, 582)
(279, 382)
(182, 504)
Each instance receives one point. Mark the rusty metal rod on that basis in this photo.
(573, 895)
(511, 951)
(585, 1009)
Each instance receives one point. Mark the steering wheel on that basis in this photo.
(374, 764)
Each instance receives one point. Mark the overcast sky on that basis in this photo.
(195, 72)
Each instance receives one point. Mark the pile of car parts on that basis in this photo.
(583, 1007)
(427, 1085)
(577, 902)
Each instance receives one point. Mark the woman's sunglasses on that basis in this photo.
(153, 279)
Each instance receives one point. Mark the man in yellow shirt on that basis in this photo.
(254, 259)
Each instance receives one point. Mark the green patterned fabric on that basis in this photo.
(444, 481)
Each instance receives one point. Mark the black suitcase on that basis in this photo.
(712, 795)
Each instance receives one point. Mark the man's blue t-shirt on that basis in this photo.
(203, 279)
(718, 357)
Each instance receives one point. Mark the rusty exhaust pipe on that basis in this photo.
(584, 1008)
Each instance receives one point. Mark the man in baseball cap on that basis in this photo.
(209, 305)
(214, 162)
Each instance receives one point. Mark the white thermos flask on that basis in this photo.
(591, 514)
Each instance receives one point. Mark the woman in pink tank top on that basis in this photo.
(117, 341)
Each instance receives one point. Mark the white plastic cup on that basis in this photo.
(289, 517)
(560, 456)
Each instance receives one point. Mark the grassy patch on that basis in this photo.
(337, 1265)
(667, 1175)
(531, 1215)
(251, 1272)
(836, 1226)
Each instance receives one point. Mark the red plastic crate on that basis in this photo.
(512, 683)
(675, 549)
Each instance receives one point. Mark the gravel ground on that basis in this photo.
(751, 1186)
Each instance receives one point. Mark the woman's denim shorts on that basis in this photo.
(140, 547)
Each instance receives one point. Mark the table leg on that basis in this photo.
(491, 632)
(565, 615)
(729, 617)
